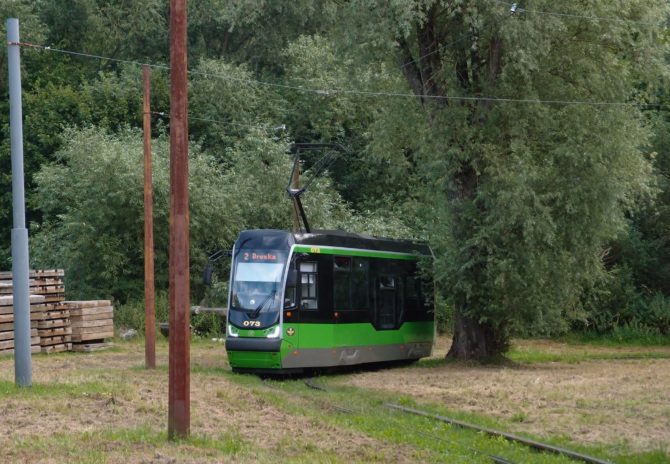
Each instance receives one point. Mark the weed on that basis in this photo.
(519, 417)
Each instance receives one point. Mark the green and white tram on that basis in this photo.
(326, 298)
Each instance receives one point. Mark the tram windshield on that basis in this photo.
(256, 284)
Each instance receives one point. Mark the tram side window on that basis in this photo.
(411, 293)
(342, 282)
(308, 290)
(386, 302)
(359, 283)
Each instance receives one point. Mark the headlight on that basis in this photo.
(274, 333)
(233, 331)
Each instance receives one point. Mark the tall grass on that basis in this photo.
(131, 316)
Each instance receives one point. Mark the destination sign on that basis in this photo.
(260, 256)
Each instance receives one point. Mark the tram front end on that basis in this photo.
(259, 273)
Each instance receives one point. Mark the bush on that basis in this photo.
(617, 308)
(132, 314)
(444, 316)
(653, 312)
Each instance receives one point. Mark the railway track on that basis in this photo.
(534, 444)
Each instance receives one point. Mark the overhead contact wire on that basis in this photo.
(518, 9)
(362, 93)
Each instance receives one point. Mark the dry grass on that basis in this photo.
(592, 402)
(104, 407)
(121, 396)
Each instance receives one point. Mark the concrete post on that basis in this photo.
(20, 261)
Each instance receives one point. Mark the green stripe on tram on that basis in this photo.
(327, 250)
(310, 335)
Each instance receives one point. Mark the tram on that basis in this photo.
(317, 299)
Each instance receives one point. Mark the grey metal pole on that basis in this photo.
(20, 266)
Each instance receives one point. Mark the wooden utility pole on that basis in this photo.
(179, 407)
(149, 291)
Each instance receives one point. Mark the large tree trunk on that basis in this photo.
(475, 340)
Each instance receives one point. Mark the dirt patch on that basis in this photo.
(601, 402)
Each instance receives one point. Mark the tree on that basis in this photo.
(521, 196)
(92, 205)
(230, 30)
(226, 103)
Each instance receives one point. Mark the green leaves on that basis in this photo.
(92, 203)
(91, 200)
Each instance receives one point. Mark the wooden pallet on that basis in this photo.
(34, 308)
(33, 349)
(34, 316)
(52, 323)
(87, 304)
(93, 345)
(7, 275)
(9, 335)
(9, 326)
(55, 331)
(87, 337)
(91, 317)
(59, 340)
(107, 311)
(57, 348)
(92, 321)
(9, 344)
(56, 314)
(108, 327)
(8, 300)
(77, 324)
(48, 273)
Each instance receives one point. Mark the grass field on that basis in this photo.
(104, 407)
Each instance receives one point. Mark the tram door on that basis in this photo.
(386, 302)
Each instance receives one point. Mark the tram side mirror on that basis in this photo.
(207, 275)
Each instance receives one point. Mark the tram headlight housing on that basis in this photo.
(233, 331)
(274, 333)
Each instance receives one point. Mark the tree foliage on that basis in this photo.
(92, 203)
(452, 112)
(91, 199)
(525, 195)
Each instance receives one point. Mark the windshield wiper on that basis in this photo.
(258, 310)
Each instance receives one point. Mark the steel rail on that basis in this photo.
(309, 382)
(507, 436)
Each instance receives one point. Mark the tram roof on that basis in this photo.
(337, 238)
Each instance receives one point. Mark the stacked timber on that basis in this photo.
(48, 283)
(54, 329)
(92, 323)
(50, 324)
(7, 322)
